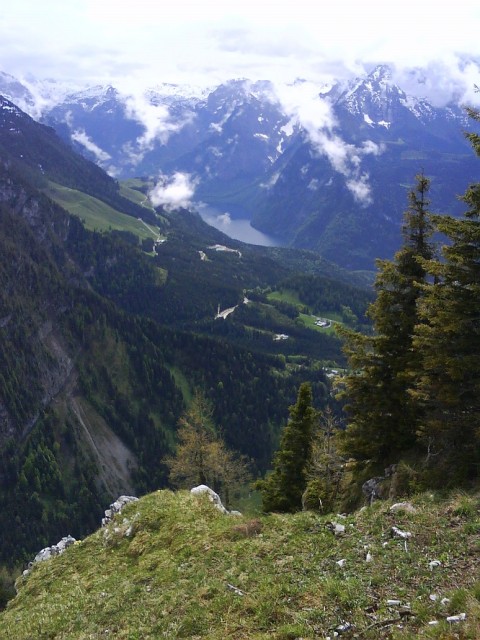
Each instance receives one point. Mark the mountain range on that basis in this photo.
(318, 167)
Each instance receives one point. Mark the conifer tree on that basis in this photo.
(448, 337)
(282, 490)
(382, 414)
(202, 457)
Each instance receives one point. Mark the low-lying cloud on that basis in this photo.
(452, 79)
(101, 156)
(174, 192)
(303, 102)
(157, 121)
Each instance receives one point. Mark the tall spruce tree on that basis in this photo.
(448, 338)
(382, 415)
(282, 490)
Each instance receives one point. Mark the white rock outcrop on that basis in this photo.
(50, 552)
(116, 507)
(403, 506)
(213, 497)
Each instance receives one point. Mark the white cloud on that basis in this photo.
(441, 81)
(82, 138)
(110, 42)
(174, 192)
(303, 104)
(359, 187)
(157, 121)
(224, 219)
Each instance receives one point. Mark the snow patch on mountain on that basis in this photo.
(166, 89)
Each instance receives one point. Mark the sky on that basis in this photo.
(433, 48)
(143, 43)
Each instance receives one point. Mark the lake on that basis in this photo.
(236, 228)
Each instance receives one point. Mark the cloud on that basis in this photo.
(303, 103)
(174, 192)
(224, 219)
(103, 42)
(360, 188)
(452, 79)
(82, 138)
(157, 121)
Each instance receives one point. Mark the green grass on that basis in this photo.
(286, 295)
(182, 383)
(173, 576)
(97, 215)
(128, 190)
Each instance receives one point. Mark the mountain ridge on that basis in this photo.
(272, 156)
(187, 570)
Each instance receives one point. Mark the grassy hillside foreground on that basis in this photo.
(172, 566)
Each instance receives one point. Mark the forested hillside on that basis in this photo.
(103, 345)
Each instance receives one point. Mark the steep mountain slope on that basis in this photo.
(72, 389)
(29, 146)
(171, 565)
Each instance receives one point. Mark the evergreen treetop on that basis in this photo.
(382, 414)
(283, 489)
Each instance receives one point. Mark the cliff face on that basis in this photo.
(71, 385)
(33, 299)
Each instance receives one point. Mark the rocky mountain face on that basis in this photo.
(343, 190)
(328, 171)
(227, 139)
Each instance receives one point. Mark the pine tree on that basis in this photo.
(382, 414)
(448, 338)
(282, 490)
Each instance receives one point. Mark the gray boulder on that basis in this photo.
(213, 497)
(116, 507)
(50, 552)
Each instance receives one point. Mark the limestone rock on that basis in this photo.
(213, 497)
(116, 507)
(403, 506)
(377, 488)
(50, 552)
(336, 528)
(459, 618)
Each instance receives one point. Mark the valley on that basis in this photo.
(324, 168)
(128, 294)
(131, 304)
